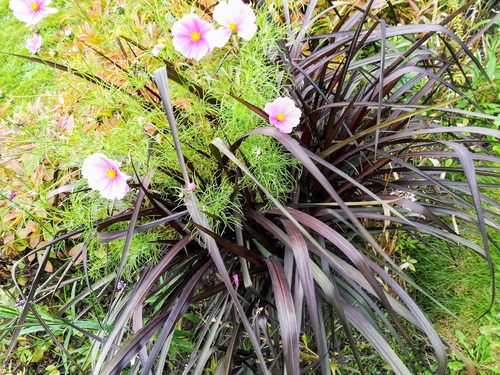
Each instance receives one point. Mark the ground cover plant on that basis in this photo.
(225, 193)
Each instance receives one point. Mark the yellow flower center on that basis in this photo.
(35, 6)
(195, 36)
(111, 173)
(280, 116)
(233, 27)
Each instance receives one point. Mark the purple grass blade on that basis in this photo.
(181, 306)
(298, 152)
(137, 296)
(286, 314)
(423, 322)
(470, 174)
(368, 330)
(356, 258)
(303, 261)
(199, 218)
(342, 267)
(56, 341)
(130, 230)
(34, 285)
(119, 234)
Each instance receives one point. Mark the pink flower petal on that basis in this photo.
(96, 169)
(233, 16)
(156, 49)
(116, 189)
(183, 41)
(247, 31)
(24, 12)
(283, 114)
(34, 43)
(218, 38)
(223, 14)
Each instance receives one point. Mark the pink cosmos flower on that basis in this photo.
(104, 175)
(156, 49)
(283, 114)
(190, 36)
(191, 186)
(34, 43)
(31, 11)
(236, 17)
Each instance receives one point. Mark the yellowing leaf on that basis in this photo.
(5, 108)
(49, 267)
(74, 250)
(34, 240)
(21, 280)
(23, 233)
(32, 226)
(38, 354)
(52, 370)
(11, 216)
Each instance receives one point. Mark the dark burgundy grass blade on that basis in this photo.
(137, 296)
(119, 234)
(34, 286)
(303, 261)
(250, 106)
(235, 249)
(341, 266)
(372, 334)
(165, 321)
(298, 152)
(357, 259)
(200, 218)
(56, 341)
(87, 76)
(286, 314)
(469, 170)
(130, 230)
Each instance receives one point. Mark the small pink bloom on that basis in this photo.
(236, 17)
(31, 11)
(236, 279)
(104, 175)
(34, 43)
(191, 186)
(68, 31)
(283, 114)
(10, 195)
(190, 36)
(156, 49)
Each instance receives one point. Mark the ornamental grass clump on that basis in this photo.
(277, 267)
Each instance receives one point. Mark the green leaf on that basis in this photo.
(38, 354)
(192, 317)
(456, 366)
